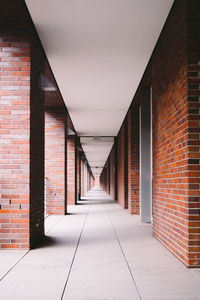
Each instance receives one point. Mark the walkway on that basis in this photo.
(97, 252)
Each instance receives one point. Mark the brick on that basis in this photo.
(55, 173)
(71, 166)
(173, 75)
(121, 167)
(16, 126)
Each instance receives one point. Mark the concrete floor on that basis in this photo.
(97, 252)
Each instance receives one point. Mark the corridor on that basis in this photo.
(96, 252)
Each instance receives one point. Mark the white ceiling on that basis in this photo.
(96, 148)
(98, 51)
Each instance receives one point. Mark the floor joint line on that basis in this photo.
(54, 225)
(127, 264)
(14, 266)
(79, 239)
(26, 253)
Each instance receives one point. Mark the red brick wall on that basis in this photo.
(120, 167)
(21, 147)
(71, 165)
(14, 145)
(173, 73)
(55, 161)
(193, 133)
(126, 163)
(170, 136)
(133, 161)
(112, 172)
(82, 176)
(78, 172)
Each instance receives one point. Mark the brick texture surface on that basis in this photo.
(133, 161)
(126, 163)
(112, 172)
(170, 136)
(176, 136)
(78, 177)
(173, 73)
(71, 165)
(82, 175)
(21, 146)
(120, 168)
(55, 161)
(107, 176)
(193, 57)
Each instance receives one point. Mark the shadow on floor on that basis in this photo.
(89, 201)
(98, 237)
(50, 241)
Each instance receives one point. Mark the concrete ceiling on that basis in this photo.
(98, 51)
(96, 150)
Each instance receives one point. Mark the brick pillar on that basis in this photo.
(108, 176)
(78, 178)
(55, 161)
(82, 176)
(71, 166)
(21, 146)
(120, 168)
(193, 134)
(112, 172)
(126, 163)
(133, 161)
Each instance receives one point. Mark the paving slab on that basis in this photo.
(99, 270)
(97, 252)
(42, 273)
(8, 259)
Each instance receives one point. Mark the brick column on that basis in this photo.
(71, 173)
(126, 163)
(78, 177)
(21, 146)
(120, 168)
(55, 161)
(112, 172)
(108, 176)
(133, 161)
(193, 134)
(82, 176)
